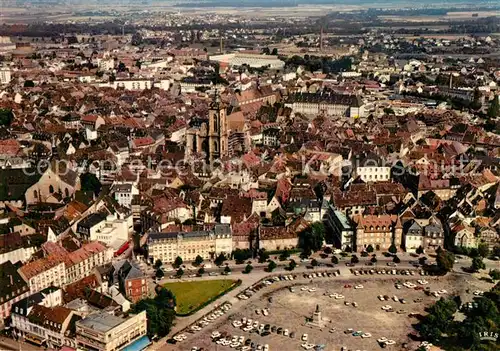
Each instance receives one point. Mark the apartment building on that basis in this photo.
(5, 75)
(81, 262)
(341, 227)
(124, 193)
(205, 243)
(111, 229)
(325, 103)
(41, 320)
(44, 272)
(102, 331)
(13, 288)
(379, 231)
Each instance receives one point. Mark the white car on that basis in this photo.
(304, 288)
(237, 324)
(285, 332)
(266, 347)
(265, 312)
(381, 298)
(386, 307)
(215, 334)
(390, 342)
(312, 289)
(304, 337)
(395, 298)
(366, 335)
(359, 286)
(382, 340)
(339, 297)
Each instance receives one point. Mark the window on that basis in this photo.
(51, 189)
(35, 195)
(66, 192)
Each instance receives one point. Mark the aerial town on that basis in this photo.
(199, 179)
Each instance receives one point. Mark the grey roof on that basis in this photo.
(221, 229)
(92, 219)
(101, 322)
(415, 227)
(161, 236)
(324, 98)
(196, 234)
(122, 188)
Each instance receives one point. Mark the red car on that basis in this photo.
(347, 286)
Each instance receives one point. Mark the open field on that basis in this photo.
(190, 295)
(289, 310)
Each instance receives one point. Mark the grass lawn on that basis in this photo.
(190, 295)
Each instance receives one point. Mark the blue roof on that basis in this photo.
(138, 345)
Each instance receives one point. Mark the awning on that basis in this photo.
(138, 345)
(33, 339)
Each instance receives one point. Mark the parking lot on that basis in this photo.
(357, 313)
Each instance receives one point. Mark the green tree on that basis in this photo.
(312, 237)
(369, 249)
(220, 259)
(393, 249)
(263, 256)
(354, 259)
(314, 263)
(477, 264)
(89, 182)
(6, 117)
(271, 266)
(159, 311)
(158, 264)
(275, 51)
(241, 256)
(179, 273)
(198, 260)
(292, 265)
(495, 274)
(335, 260)
(483, 249)
(420, 250)
(178, 262)
(248, 269)
(29, 84)
(284, 255)
(227, 270)
(476, 101)
(444, 260)
(201, 271)
(422, 260)
(494, 109)
(159, 273)
(396, 259)
(373, 259)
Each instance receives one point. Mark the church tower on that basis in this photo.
(217, 130)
